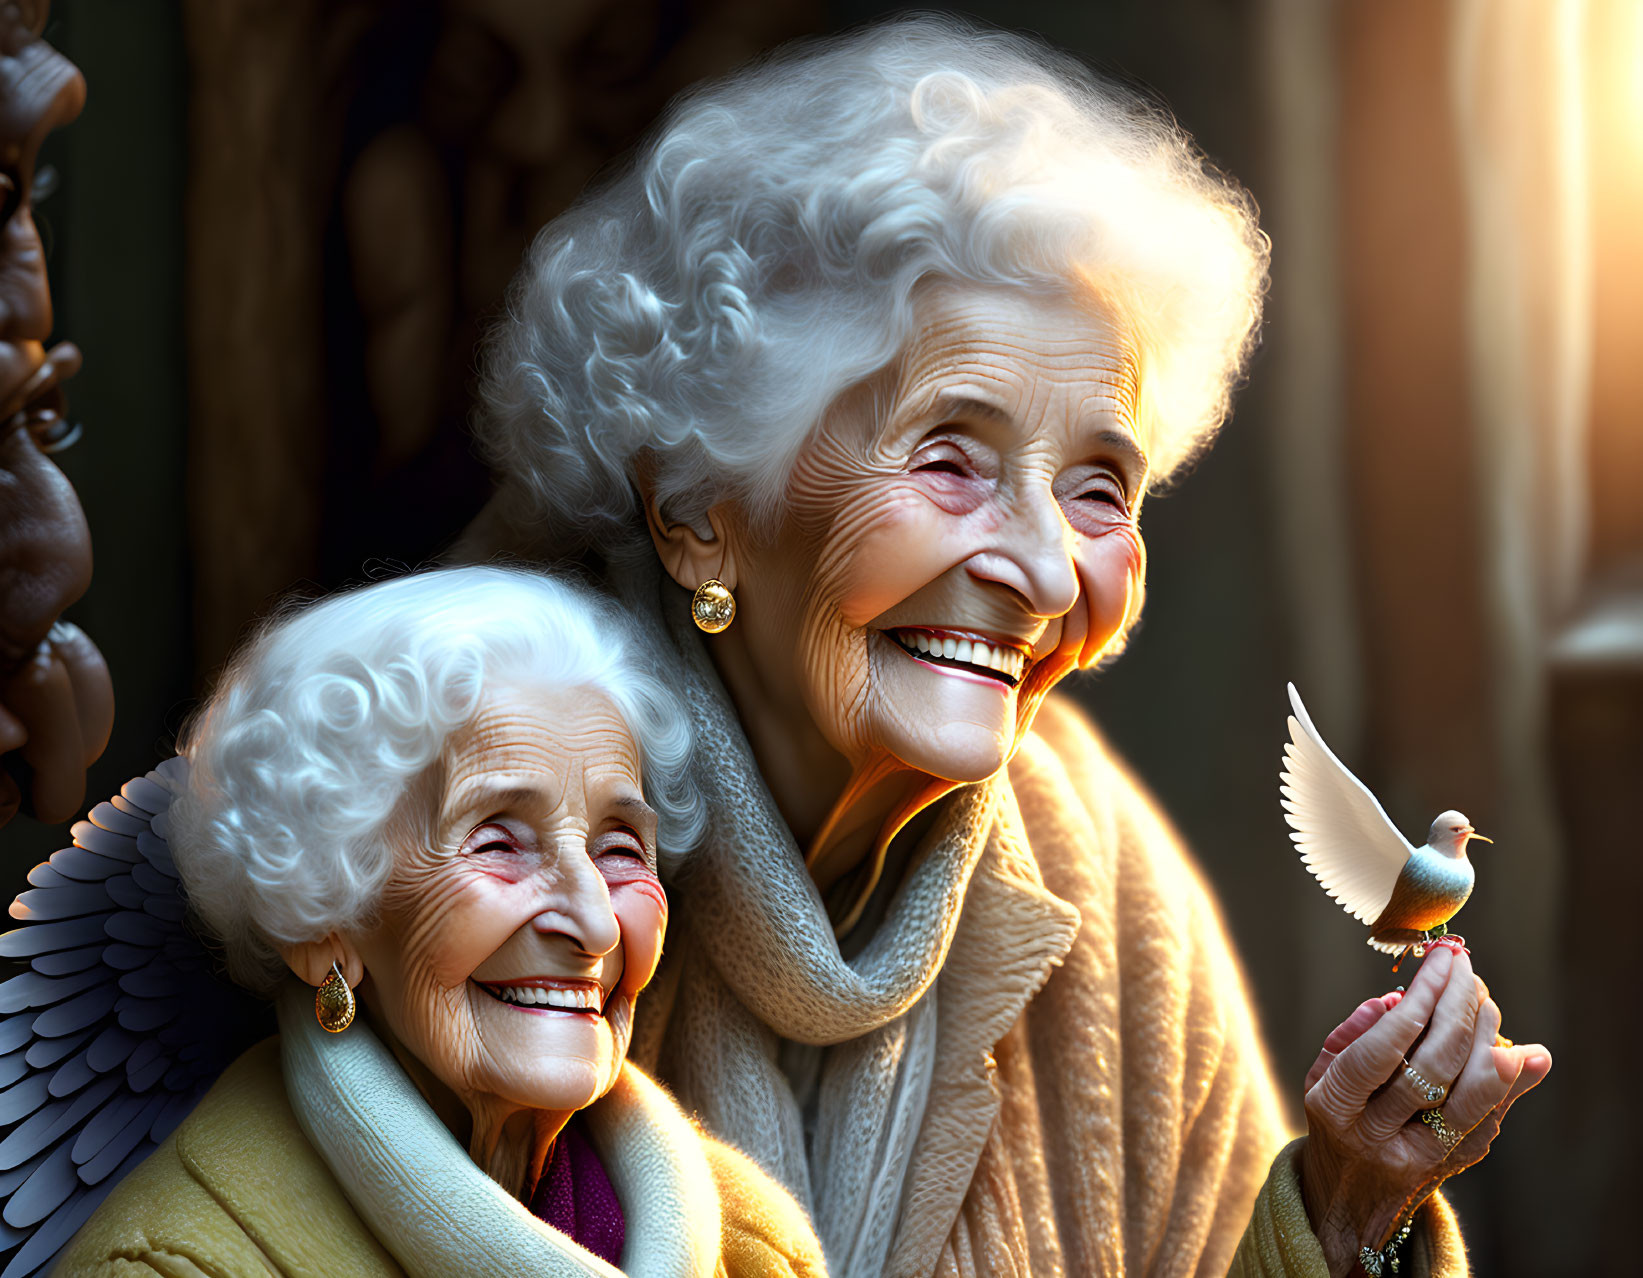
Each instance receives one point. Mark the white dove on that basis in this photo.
(1406, 895)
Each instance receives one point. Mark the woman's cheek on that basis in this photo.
(903, 541)
(1112, 568)
(640, 906)
(463, 922)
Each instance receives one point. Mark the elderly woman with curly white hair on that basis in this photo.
(854, 382)
(450, 793)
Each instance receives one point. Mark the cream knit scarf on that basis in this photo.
(441, 1216)
(761, 965)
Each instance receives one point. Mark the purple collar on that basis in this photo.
(576, 1197)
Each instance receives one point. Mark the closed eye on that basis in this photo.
(938, 455)
(1106, 488)
(940, 466)
(490, 837)
(621, 842)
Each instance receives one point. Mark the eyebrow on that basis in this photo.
(1134, 458)
(491, 799)
(1115, 438)
(636, 807)
(951, 404)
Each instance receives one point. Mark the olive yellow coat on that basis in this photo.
(238, 1191)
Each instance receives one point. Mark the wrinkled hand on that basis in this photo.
(56, 701)
(1368, 1161)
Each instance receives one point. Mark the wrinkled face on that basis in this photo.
(40, 90)
(526, 914)
(959, 537)
(45, 550)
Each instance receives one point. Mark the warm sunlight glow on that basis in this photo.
(1632, 85)
(1614, 111)
(1617, 54)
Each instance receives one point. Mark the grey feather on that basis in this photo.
(108, 817)
(22, 1098)
(67, 901)
(135, 928)
(35, 989)
(44, 1052)
(113, 1046)
(73, 1074)
(83, 863)
(46, 938)
(124, 891)
(45, 1189)
(10, 1180)
(67, 962)
(78, 1012)
(148, 796)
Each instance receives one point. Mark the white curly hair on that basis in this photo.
(761, 255)
(306, 751)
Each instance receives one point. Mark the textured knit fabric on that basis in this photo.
(576, 1197)
(1043, 1061)
(1279, 1243)
(239, 1191)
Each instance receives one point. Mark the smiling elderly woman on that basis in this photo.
(874, 351)
(451, 791)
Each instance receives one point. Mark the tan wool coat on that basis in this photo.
(1042, 1061)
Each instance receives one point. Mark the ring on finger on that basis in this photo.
(1447, 1136)
(1434, 1094)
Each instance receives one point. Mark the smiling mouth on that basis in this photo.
(970, 653)
(548, 995)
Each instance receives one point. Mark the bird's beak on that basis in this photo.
(1481, 838)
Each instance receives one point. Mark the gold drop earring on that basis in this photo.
(334, 1002)
(712, 607)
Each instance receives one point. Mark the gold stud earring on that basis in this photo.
(712, 607)
(334, 1003)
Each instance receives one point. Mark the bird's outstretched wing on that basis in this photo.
(1342, 832)
(115, 1029)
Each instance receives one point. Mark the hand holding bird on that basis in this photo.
(1411, 1088)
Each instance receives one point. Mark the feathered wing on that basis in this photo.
(1342, 832)
(115, 1029)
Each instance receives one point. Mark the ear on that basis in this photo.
(688, 556)
(311, 960)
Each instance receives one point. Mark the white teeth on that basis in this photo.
(1007, 661)
(576, 1000)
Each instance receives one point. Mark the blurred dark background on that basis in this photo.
(280, 228)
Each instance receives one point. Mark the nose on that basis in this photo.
(1031, 554)
(578, 906)
(44, 91)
